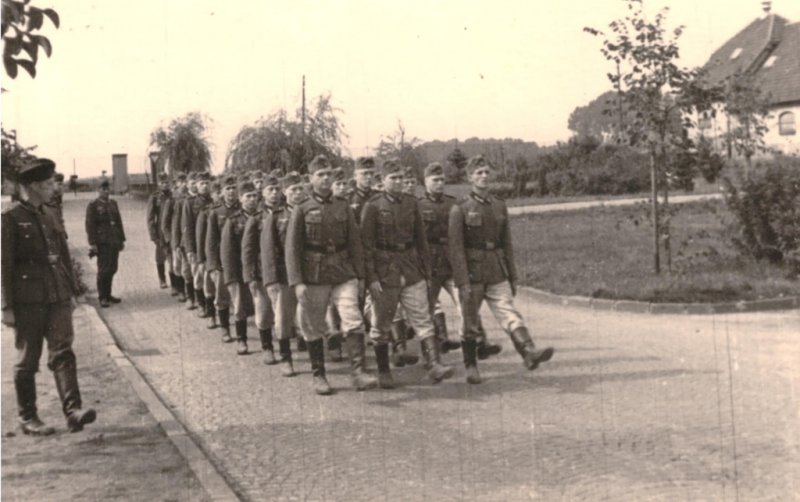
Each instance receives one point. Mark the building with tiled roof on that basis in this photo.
(768, 49)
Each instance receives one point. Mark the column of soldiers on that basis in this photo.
(327, 259)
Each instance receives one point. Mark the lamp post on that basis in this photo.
(154, 155)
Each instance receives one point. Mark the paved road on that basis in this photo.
(633, 407)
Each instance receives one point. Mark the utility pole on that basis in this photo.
(303, 121)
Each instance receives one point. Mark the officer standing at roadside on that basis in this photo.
(38, 290)
(154, 206)
(482, 257)
(324, 262)
(106, 239)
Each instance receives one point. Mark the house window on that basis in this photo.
(786, 125)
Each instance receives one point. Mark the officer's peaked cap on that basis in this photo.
(36, 170)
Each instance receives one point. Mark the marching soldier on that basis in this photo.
(193, 206)
(170, 225)
(217, 216)
(185, 269)
(252, 272)
(155, 205)
(435, 207)
(106, 239)
(201, 228)
(364, 174)
(398, 268)
(324, 263)
(38, 289)
(482, 257)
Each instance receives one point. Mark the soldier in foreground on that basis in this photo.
(154, 209)
(106, 239)
(324, 263)
(38, 289)
(398, 268)
(482, 257)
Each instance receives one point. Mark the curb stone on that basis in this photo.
(207, 474)
(637, 307)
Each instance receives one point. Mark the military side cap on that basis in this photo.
(36, 170)
(391, 166)
(365, 163)
(291, 179)
(270, 180)
(476, 162)
(319, 163)
(338, 174)
(434, 169)
(246, 187)
(229, 181)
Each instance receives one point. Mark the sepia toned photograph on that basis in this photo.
(400, 251)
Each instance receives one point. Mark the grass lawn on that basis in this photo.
(607, 253)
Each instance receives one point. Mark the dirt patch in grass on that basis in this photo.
(607, 253)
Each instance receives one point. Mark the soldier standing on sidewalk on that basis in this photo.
(38, 289)
(185, 268)
(154, 209)
(324, 263)
(398, 268)
(106, 239)
(200, 233)
(217, 216)
(191, 209)
(482, 257)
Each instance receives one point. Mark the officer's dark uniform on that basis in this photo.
(155, 204)
(104, 230)
(482, 257)
(397, 257)
(324, 253)
(217, 216)
(37, 286)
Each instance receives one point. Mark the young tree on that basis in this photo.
(184, 144)
(21, 43)
(660, 95)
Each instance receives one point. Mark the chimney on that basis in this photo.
(766, 5)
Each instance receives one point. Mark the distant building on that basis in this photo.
(768, 49)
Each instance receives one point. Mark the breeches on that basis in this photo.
(262, 304)
(36, 323)
(284, 306)
(313, 307)
(501, 303)
(414, 300)
(241, 301)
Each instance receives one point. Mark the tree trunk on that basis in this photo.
(654, 197)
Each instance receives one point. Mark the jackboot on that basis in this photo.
(440, 327)
(211, 313)
(470, 351)
(316, 353)
(285, 349)
(201, 302)
(241, 337)
(400, 354)
(181, 288)
(162, 276)
(109, 296)
(486, 349)
(433, 363)
(225, 323)
(266, 346)
(29, 423)
(524, 345)
(385, 380)
(362, 379)
(173, 284)
(66, 377)
(335, 347)
(190, 294)
(302, 346)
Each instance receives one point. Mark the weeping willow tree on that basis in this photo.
(183, 144)
(286, 144)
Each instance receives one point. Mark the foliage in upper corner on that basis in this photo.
(21, 22)
(14, 155)
(183, 144)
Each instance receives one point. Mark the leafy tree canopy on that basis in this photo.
(21, 22)
(183, 144)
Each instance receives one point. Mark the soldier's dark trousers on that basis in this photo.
(36, 323)
(107, 263)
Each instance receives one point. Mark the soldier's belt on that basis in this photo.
(486, 246)
(326, 249)
(395, 247)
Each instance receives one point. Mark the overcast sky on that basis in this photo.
(447, 69)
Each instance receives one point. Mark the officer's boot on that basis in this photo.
(66, 376)
(433, 363)
(181, 288)
(486, 349)
(385, 380)
(316, 353)
(440, 327)
(101, 291)
(285, 348)
(201, 302)
(211, 313)
(362, 379)
(241, 337)
(400, 354)
(470, 352)
(225, 324)
(162, 276)
(524, 345)
(335, 347)
(190, 294)
(29, 422)
(266, 346)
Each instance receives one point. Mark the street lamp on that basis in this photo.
(154, 155)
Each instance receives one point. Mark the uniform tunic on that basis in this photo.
(358, 199)
(104, 230)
